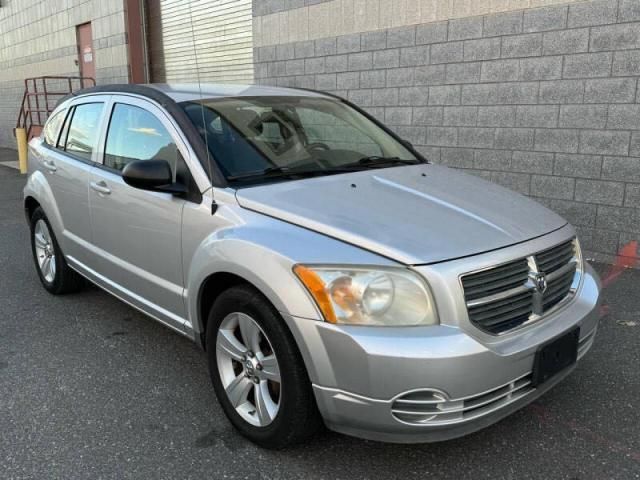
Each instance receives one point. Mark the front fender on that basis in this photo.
(269, 271)
(263, 250)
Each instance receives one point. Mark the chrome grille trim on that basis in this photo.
(508, 296)
(496, 280)
(432, 407)
(445, 411)
(550, 260)
(498, 296)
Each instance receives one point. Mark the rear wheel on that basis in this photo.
(56, 276)
(257, 371)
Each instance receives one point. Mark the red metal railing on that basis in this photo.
(39, 100)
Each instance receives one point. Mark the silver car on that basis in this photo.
(331, 273)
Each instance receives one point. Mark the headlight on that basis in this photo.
(364, 296)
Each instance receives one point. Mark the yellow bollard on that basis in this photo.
(21, 137)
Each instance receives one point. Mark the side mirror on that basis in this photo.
(152, 175)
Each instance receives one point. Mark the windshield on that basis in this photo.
(259, 139)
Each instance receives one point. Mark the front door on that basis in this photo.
(86, 59)
(137, 233)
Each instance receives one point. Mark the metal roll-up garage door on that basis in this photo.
(220, 30)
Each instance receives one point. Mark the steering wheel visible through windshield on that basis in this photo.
(260, 139)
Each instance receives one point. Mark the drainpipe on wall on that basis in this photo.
(145, 40)
(135, 27)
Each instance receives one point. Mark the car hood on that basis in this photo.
(412, 214)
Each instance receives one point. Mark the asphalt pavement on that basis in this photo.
(90, 388)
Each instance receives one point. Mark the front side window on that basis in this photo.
(82, 135)
(136, 134)
(251, 136)
(52, 128)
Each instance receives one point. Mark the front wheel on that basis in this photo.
(257, 371)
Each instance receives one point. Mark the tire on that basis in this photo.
(296, 417)
(57, 278)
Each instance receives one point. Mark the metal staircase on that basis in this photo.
(41, 94)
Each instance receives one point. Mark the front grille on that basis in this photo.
(497, 299)
(557, 263)
(496, 280)
(505, 297)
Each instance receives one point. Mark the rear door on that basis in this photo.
(137, 233)
(68, 152)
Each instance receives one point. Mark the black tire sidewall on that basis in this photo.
(250, 302)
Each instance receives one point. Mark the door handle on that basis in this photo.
(49, 165)
(101, 187)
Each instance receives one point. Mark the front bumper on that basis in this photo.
(361, 375)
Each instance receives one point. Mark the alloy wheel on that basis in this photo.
(45, 251)
(248, 369)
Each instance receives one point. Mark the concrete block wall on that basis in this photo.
(545, 101)
(39, 38)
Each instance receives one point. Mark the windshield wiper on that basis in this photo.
(286, 172)
(376, 160)
(267, 173)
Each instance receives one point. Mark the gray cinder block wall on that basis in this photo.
(545, 101)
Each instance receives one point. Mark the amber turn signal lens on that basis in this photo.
(317, 289)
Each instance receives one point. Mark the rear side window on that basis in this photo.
(136, 134)
(80, 135)
(52, 128)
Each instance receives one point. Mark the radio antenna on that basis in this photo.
(206, 137)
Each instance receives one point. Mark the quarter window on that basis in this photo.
(136, 134)
(52, 128)
(82, 135)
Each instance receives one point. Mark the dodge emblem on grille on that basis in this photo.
(540, 281)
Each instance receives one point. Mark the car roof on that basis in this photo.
(184, 92)
(188, 92)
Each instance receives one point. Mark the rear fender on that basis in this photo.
(38, 188)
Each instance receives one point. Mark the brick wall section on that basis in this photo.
(40, 39)
(544, 101)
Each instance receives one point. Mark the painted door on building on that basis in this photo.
(86, 56)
